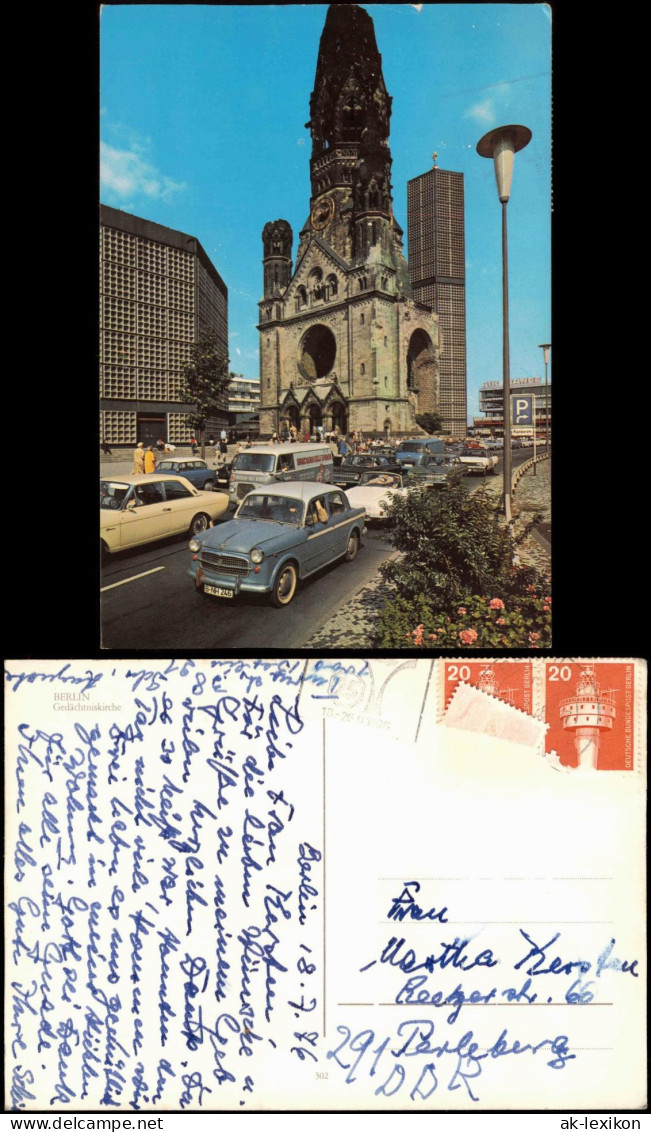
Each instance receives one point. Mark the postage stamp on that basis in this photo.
(590, 709)
(510, 681)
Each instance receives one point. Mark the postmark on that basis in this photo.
(590, 709)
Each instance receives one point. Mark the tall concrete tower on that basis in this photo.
(586, 715)
(437, 269)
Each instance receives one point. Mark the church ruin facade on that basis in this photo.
(343, 344)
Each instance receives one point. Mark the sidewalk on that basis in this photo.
(352, 625)
(120, 463)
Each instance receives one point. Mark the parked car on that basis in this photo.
(353, 468)
(279, 535)
(437, 471)
(375, 491)
(139, 509)
(478, 461)
(191, 468)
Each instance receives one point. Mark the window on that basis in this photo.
(362, 368)
(147, 494)
(337, 503)
(176, 491)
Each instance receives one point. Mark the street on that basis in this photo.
(149, 602)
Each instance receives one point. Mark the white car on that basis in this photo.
(138, 509)
(478, 461)
(375, 491)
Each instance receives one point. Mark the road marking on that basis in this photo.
(135, 577)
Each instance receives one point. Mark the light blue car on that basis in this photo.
(279, 534)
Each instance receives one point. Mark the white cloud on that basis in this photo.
(483, 112)
(127, 172)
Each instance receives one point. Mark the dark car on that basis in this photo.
(437, 471)
(353, 467)
(222, 475)
(191, 468)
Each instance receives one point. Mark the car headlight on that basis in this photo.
(194, 545)
(257, 555)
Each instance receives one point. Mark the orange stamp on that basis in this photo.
(589, 706)
(506, 680)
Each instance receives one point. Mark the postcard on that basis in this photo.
(331, 884)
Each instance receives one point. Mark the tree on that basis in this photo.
(206, 377)
(431, 422)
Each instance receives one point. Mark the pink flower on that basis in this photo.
(496, 603)
(500, 621)
(548, 600)
(433, 636)
(462, 609)
(468, 636)
(534, 637)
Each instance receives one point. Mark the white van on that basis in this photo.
(270, 463)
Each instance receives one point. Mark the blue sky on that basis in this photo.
(202, 129)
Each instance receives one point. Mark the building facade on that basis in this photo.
(244, 405)
(343, 342)
(491, 404)
(158, 292)
(437, 269)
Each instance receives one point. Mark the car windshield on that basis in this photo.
(411, 446)
(167, 466)
(112, 494)
(472, 452)
(277, 508)
(254, 462)
(379, 479)
(435, 461)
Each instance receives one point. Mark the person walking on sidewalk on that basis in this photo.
(150, 460)
(105, 448)
(139, 459)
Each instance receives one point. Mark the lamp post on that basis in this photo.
(546, 347)
(502, 144)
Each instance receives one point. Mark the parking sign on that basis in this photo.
(522, 409)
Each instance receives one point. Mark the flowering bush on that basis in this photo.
(457, 583)
(522, 621)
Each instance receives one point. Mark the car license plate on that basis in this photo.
(218, 591)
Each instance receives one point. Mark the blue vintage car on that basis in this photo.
(279, 534)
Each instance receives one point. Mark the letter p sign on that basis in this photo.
(522, 409)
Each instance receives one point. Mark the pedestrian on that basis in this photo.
(344, 447)
(222, 435)
(223, 447)
(160, 444)
(139, 459)
(193, 445)
(105, 447)
(150, 460)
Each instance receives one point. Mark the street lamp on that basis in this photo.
(546, 347)
(502, 144)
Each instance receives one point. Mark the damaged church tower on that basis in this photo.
(342, 342)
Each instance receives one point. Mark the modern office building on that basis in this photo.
(343, 342)
(158, 292)
(437, 269)
(491, 404)
(244, 404)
